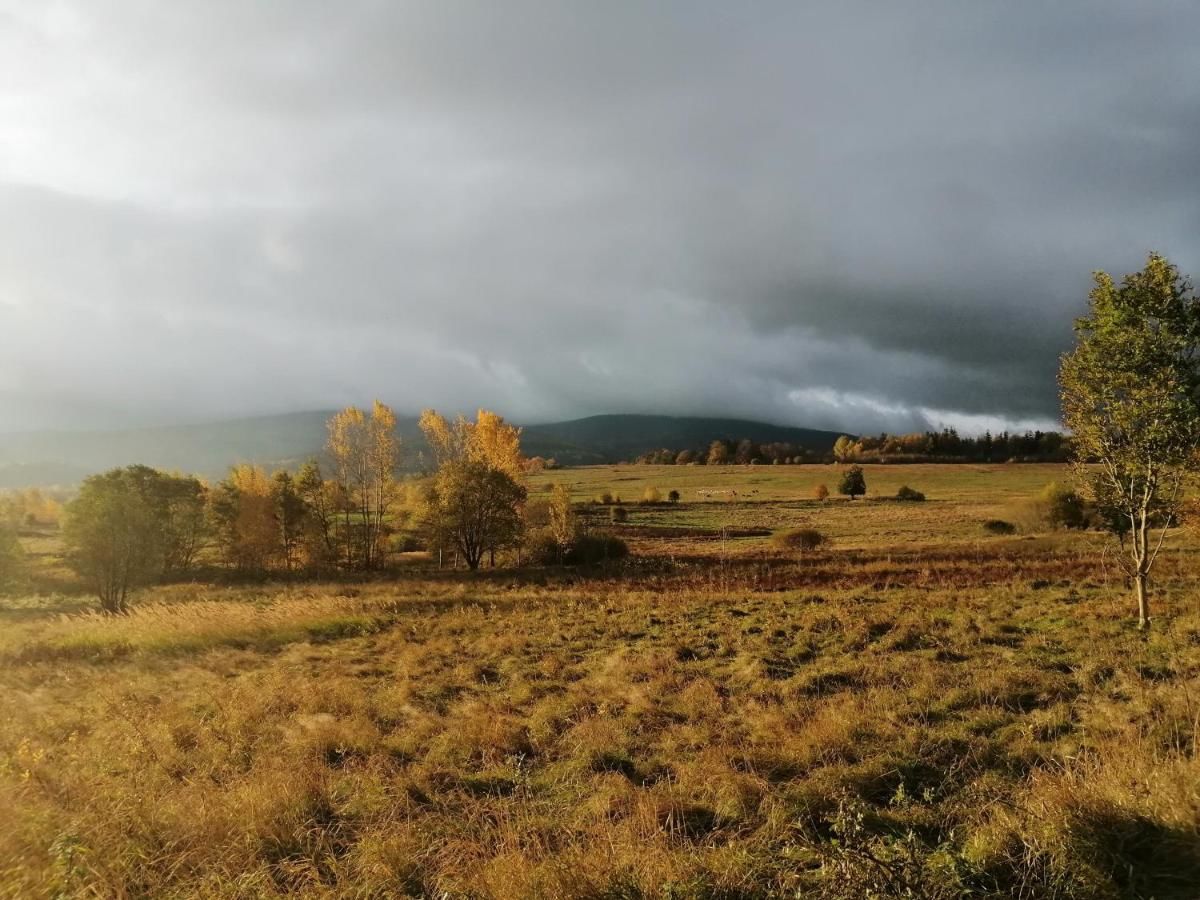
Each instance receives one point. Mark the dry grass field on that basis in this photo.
(917, 709)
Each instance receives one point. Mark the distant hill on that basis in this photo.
(603, 439)
(65, 457)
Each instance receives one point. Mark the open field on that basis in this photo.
(769, 498)
(920, 709)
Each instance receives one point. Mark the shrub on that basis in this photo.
(909, 495)
(1056, 506)
(1064, 508)
(799, 539)
(618, 514)
(820, 492)
(541, 549)
(586, 549)
(651, 495)
(606, 498)
(999, 526)
(405, 542)
(673, 496)
(589, 549)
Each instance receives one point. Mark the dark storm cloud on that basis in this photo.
(858, 216)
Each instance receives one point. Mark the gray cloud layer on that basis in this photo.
(854, 215)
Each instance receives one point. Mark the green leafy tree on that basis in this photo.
(853, 483)
(473, 508)
(1062, 507)
(114, 536)
(1131, 397)
(180, 502)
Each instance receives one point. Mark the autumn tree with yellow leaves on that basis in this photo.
(243, 512)
(474, 505)
(365, 452)
(488, 440)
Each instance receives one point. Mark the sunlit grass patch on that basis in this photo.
(200, 625)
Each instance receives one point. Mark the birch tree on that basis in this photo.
(488, 440)
(365, 452)
(1131, 396)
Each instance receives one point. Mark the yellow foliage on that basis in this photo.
(365, 453)
(29, 507)
(496, 443)
(488, 440)
(255, 534)
(442, 438)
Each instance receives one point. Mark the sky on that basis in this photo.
(860, 216)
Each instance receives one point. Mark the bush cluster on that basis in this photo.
(799, 539)
(584, 550)
(1056, 507)
(999, 526)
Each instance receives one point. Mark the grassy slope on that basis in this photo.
(699, 723)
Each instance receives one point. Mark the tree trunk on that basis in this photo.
(1143, 600)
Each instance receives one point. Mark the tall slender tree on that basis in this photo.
(291, 518)
(563, 523)
(1131, 396)
(365, 452)
(322, 504)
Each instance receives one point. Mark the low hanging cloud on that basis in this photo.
(860, 217)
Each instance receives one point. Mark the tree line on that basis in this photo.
(138, 525)
(946, 446)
